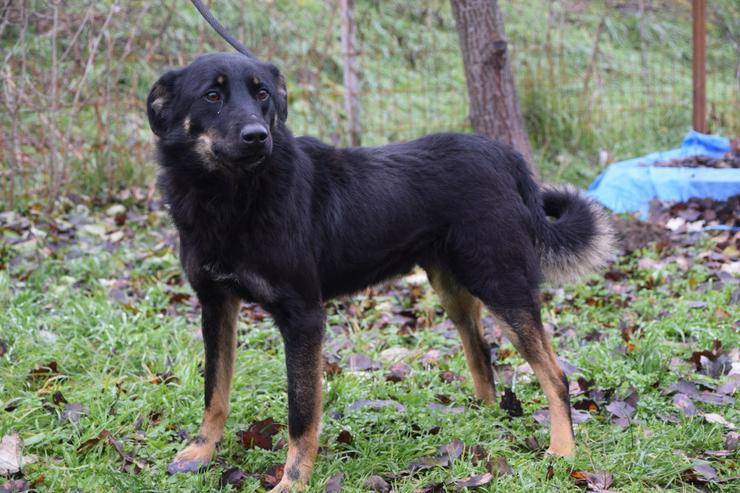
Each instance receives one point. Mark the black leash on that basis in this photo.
(208, 16)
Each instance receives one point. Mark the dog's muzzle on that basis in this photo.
(256, 142)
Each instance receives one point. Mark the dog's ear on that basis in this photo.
(159, 101)
(281, 101)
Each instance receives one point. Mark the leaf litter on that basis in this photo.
(674, 226)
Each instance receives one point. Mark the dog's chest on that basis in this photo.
(245, 282)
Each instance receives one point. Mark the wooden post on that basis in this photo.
(698, 10)
(350, 72)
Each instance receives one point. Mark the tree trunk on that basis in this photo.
(494, 105)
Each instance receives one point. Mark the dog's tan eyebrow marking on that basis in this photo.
(220, 79)
(255, 80)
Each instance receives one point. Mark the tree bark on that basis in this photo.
(494, 105)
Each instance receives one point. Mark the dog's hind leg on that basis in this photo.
(219, 314)
(302, 328)
(464, 310)
(523, 328)
(502, 270)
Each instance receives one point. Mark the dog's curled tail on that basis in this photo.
(575, 235)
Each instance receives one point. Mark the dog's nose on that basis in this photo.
(253, 133)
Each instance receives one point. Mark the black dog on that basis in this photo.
(290, 222)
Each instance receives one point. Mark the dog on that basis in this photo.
(289, 222)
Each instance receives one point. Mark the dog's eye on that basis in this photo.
(262, 95)
(213, 97)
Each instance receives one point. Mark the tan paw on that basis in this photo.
(286, 486)
(561, 451)
(192, 458)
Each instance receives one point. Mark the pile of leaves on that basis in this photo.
(714, 225)
(729, 160)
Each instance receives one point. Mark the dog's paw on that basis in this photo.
(190, 465)
(560, 452)
(192, 458)
(286, 487)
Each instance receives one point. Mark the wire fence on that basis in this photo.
(597, 80)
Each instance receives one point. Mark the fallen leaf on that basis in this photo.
(728, 388)
(446, 455)
(377, 483)
(542, 416)
(91, 442)
(683, 387)
(442, 409)
(699, 472)
(718, 420)
(259, 434)
(15, 486)
(131, 464)
(646, 263)
(511, 404)
(731, 440)
(594, 481)
(431, 357)
(272, 476)
(478, 453)
(432, 488)
(499, 467)
(12, 459)
(375, 404)
(163, 378)
(72, 413)
(334, 485)
(588, 405)
(46, 371)
(621, 413)
(345, 437)
(713, 398)
(234, 477)
(474, 481)
(331, 366)
(58, 398)
(531, 443)
(449, 377)
(567, 367)
(393, 354)
(450, 452)
(360, 362)
(399, 371)
(683, 402)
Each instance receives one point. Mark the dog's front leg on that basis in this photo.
(302, 329)
(219, 313)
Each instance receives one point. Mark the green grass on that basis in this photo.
(57, 307)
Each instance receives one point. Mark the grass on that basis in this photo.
(127, 349)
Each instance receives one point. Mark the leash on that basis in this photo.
(213, 22)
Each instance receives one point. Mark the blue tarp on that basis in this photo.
(629, 186)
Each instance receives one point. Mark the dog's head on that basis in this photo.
(224, 108)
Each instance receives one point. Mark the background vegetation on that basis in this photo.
(598, 81)
(100, 355)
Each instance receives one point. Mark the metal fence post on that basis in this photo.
(351, 77)
(698, 10)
